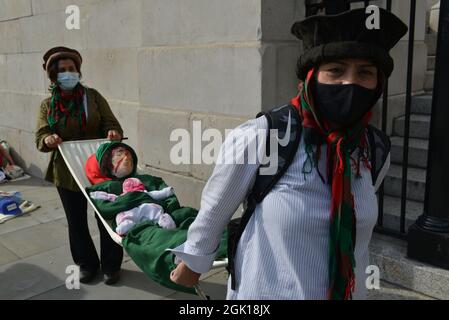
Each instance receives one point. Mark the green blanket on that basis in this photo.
(146, 243)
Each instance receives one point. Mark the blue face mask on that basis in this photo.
(68, 80)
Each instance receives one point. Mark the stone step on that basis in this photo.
(416, 182)
(390, 291)
(419, 126)
(390, 255)
(422, 104)
(431, 42)
(431, 63)
(417, 151)
(392, 212)
(428, 82)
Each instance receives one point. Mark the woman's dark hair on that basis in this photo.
(53, 69)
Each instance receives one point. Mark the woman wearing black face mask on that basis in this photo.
(308, 238)
(345, 90)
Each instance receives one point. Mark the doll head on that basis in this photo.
(132, 184)
(116, 160)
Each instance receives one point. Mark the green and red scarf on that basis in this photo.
(66, 106)
(342, 220)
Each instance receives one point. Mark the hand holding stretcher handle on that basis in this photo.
(182, 275)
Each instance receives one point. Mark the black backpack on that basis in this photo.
(278, 119)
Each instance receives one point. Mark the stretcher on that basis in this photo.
(75, 154)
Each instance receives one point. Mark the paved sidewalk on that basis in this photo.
(34, 254)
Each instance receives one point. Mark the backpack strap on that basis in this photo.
(287, 122)
(380, 146)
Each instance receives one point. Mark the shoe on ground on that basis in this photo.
(87, 276)
(111, 278)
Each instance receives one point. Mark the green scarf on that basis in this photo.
(64, 106)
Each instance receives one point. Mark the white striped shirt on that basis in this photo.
(283, 252)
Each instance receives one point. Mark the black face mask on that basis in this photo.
(343, 105)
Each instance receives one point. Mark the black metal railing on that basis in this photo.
(336, 6)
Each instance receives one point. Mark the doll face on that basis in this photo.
(122, 162)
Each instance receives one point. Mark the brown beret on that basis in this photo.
(57, 53)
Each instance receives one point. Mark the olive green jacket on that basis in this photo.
(100, 120)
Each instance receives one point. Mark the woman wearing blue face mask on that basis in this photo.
(76, 112)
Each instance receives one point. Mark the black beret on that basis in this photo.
(345, 35)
